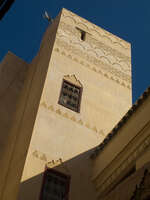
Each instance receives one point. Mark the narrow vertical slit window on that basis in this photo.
(82, 34)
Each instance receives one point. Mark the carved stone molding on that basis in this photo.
(106, 71)
(132, 157)
(100, 133)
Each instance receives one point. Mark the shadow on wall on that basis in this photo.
(78, 168)
(131, 188)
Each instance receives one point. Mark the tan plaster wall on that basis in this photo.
(96, 32)
(125, 190)
(78, 167)
(21, 128)
(12, 75)
(62, 133)
(143, 159)
(106, 84)
(125, 149)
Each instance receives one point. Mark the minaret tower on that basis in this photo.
(84, 74)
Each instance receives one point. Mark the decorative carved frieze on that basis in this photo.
(99, 133)
(95, 56)
(67, 30)
(48, 161)
(71, 18)
(101, 52)
(111, 74)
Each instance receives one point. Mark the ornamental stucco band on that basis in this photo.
(101, 61)
(66, 29)
(49, 162)
(115, 65)
(100, 133)
(101, 33)
(133, 156)
(77, 48)
(110, 74)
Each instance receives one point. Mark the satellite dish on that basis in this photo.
(46, 16)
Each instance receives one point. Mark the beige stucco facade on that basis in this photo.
(12, 76)
(128, 149)
(43, 132)
(62, 134)
(22, 119)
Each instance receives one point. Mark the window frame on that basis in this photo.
(57, 173)
(79, 97)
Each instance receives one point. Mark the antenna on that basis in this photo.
(46, 16)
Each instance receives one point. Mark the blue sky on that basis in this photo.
(22, 28)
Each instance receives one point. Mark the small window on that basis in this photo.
(70, 96)
(55, 186)
(82, 34)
